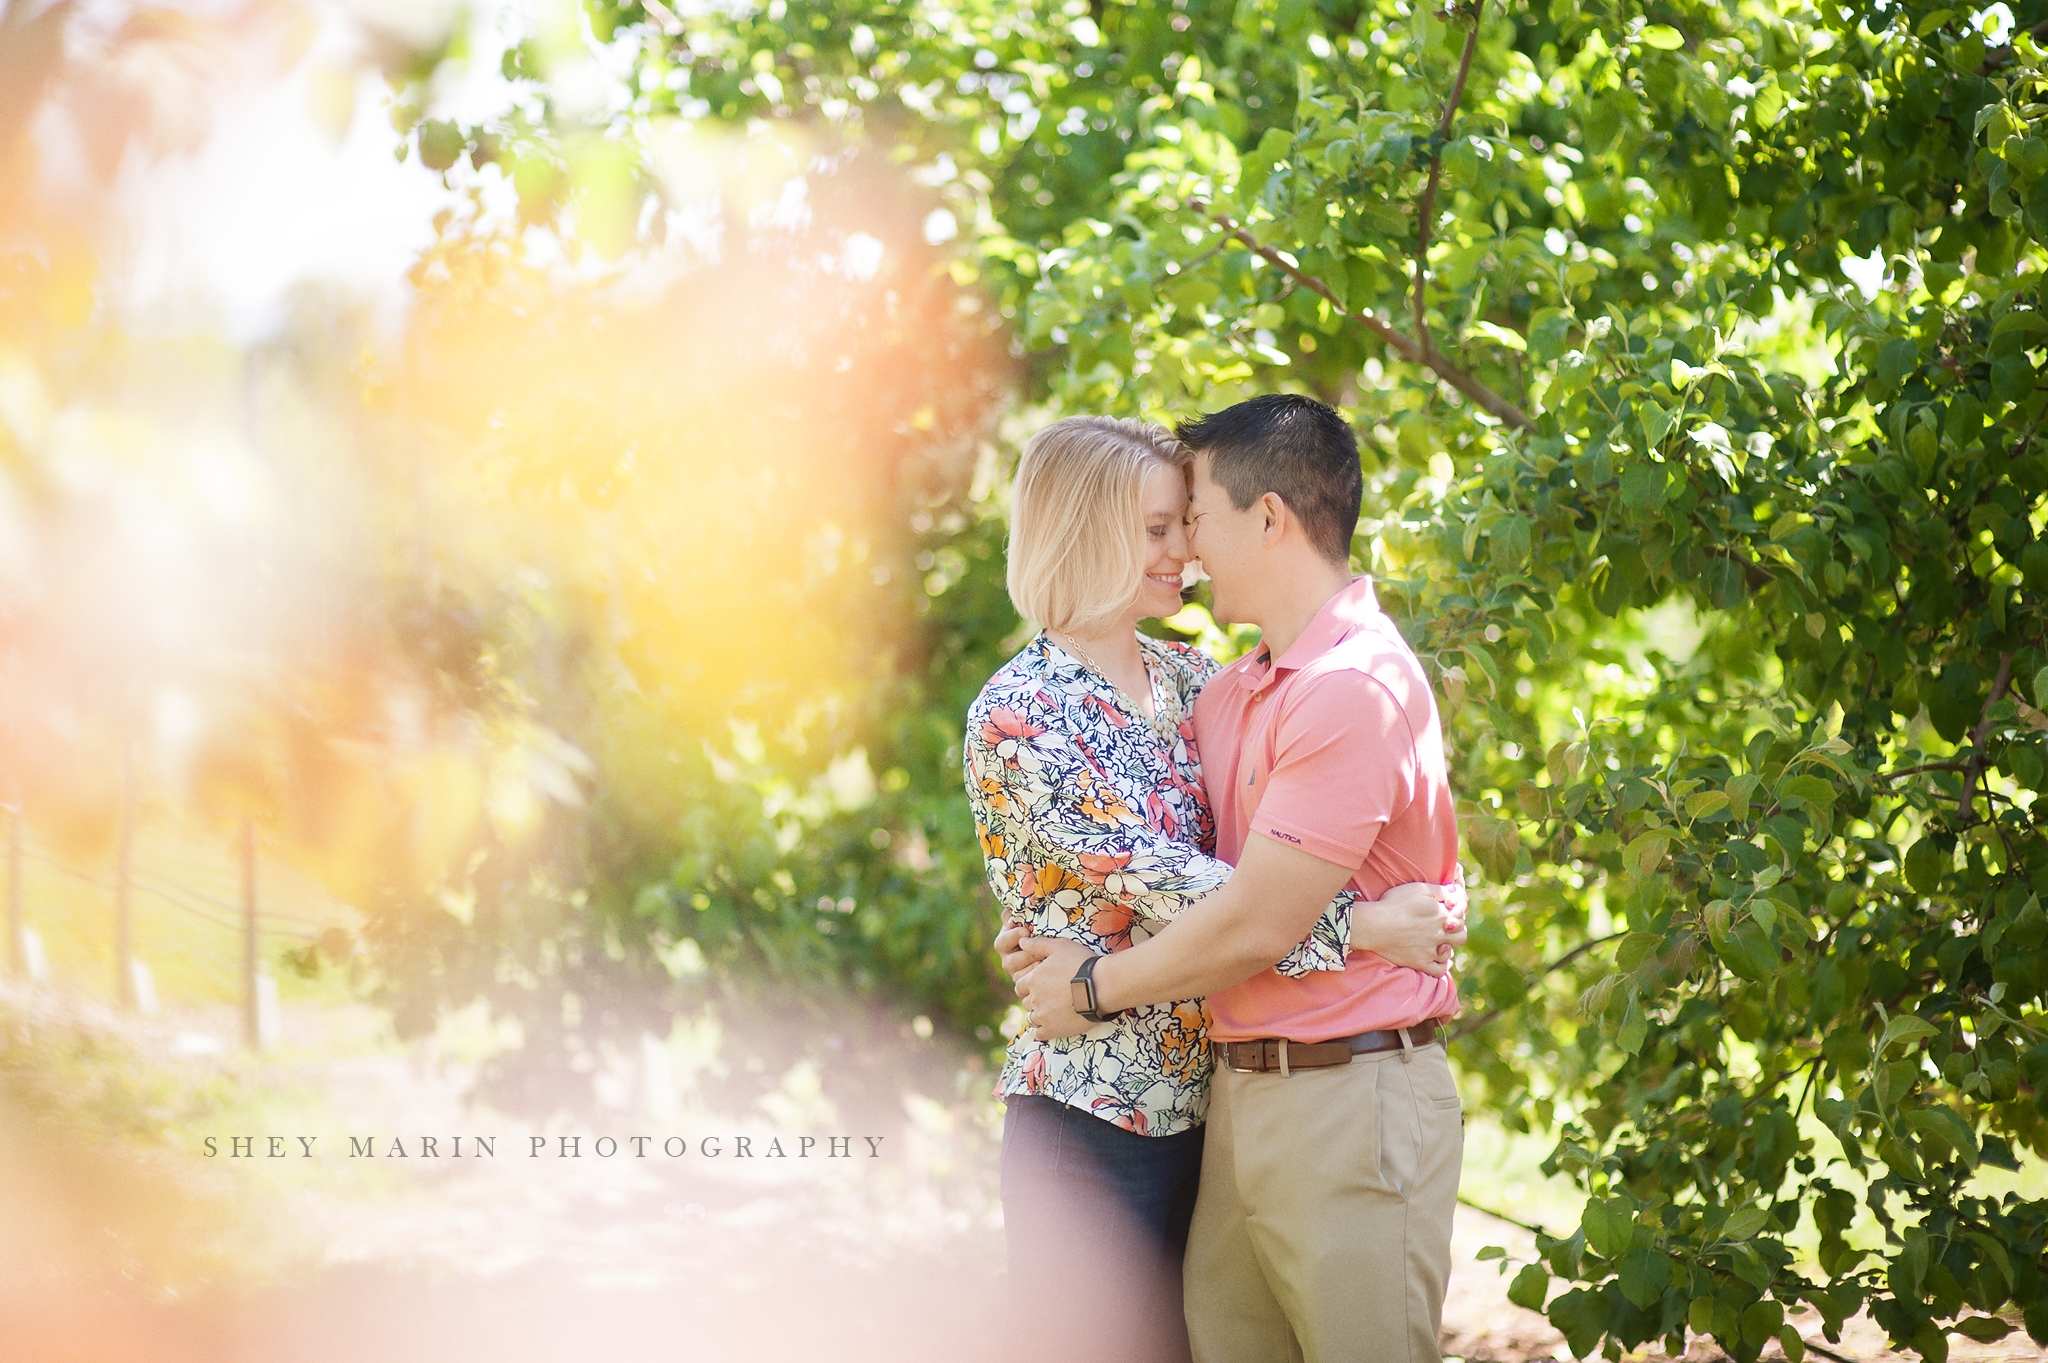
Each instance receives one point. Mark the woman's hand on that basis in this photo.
(1009, 945)
(1047, 987)
(1419, 925)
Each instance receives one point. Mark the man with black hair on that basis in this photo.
(1330, 1173)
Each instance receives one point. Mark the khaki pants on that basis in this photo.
(1323, 1228)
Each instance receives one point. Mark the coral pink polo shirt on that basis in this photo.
(1337, 751)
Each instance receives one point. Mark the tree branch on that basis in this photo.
(1432, 359)
(1427, 207)
(1924, 766)
(1406, 348)
(1484, 1210)
(1551, 969)
(1978, 757)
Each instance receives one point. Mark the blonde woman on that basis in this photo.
(1085, 780)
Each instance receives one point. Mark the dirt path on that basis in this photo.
(875, 1236)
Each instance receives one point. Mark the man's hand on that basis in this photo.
(1008, 947)
(1047, 986)
(1418, 925)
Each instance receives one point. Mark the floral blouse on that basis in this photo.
(1091, 820)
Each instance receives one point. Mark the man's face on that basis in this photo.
(1226, 540)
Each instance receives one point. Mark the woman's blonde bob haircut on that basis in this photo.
(1077, 520)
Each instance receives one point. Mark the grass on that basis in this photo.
(1503, 1175)
(186, 914)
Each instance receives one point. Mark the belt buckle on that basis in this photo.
(1250, 1057)
(1258, 1057)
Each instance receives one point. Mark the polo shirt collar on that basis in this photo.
(1339, 618)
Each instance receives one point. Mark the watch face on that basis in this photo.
(1084, 1001)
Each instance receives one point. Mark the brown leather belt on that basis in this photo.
(1276, 1054)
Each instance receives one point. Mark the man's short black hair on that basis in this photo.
(1291, 445)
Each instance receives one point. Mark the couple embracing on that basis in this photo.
(1231, 897)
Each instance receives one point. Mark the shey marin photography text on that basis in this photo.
(543, 1147)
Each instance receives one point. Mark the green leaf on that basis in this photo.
(1727, 585)
(1740, 788)
(1609, 1226)
(1549, 330)
(1636, 948)
(1926, 862)
(1663, 36)
(1945, 1125)
(1509, 541)
(1768, 104)
(1274, 144)
(1993, 1253)
(1898, 359)
(1704, 802)
(1657, 422)
(1644, 1275)
(1635, 1028)
(1645, 853)
(1745, 1223)
(1811, 789)
(1495, 842)
(1385, 219)
(1762, 1321)
(441, 144)
(1530, 1287)
(2023, 320)
(1983, 1329)
(1904, 1027)
(1909, 1269)
(1643, 485)
(1499, 335)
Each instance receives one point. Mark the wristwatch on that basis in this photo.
(1084, 993)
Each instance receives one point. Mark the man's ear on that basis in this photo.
(1276, 517)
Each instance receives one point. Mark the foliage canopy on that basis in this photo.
(1696, 348)
(1696, 343)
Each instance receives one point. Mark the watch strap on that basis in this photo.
(1085, 1002)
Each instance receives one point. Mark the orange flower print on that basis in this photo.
(1088, 822)
(1129, 1118)
(998, 798)
(1054, 886)
(1180, 1041)
(1020, 744)
(1160, 814)
(1102, 804)
(1116, 872)
(1110, 919)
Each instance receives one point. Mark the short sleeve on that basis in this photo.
(1344, 764)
